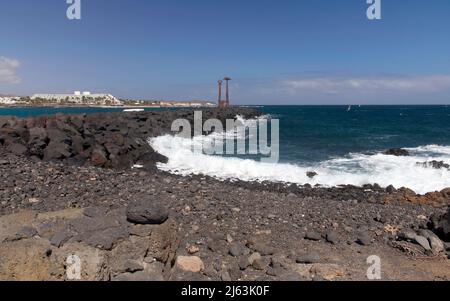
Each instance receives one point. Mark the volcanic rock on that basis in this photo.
(147, 212)
(399, 152)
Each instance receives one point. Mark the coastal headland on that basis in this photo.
(68, 187)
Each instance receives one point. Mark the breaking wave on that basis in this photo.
(354, 169)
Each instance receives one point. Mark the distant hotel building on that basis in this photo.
(9, 100)
(78, 97)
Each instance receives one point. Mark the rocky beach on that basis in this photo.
(69, 186)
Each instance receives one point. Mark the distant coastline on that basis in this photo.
(56, 106)
(87, 99)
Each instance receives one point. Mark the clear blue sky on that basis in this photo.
(277, 51)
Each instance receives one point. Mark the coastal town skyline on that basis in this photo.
(320, 52)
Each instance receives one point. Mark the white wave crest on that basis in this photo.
(354, 169)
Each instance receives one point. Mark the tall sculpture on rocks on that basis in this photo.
(220, 102)
(224, 103)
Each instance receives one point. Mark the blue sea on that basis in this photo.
(342, 146)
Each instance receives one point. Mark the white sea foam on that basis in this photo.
(354, 169)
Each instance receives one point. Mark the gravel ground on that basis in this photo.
(245, 231)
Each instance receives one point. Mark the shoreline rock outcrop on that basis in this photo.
(36, 246)
(111, 140)
(398, 152)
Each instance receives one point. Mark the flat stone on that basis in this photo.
(87, 224)
(275, 271)
(190, 264)
(27, 232)
(423, 242)
(437, 245)
(60, 238)
(95, 211)
(141, 230)
(132, 266)
(311, 235)
(106, 239)
(308, 258)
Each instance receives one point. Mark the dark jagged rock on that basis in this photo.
(440, 224)
(399, 152)
(391, 189)
(311, 174)
(112, 140)
(434, 164)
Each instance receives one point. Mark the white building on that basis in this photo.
(6, 100)
(85, 98)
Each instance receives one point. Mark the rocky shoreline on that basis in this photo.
(70, 190)
(111, 140)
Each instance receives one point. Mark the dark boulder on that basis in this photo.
(151, 158)
(78, 144)
(36, 148)
(440, 224)
(399, 152)
(56, 150)
(38, 133)
(147, 212)
(391, 189)
(311, 174)
(56, 135)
